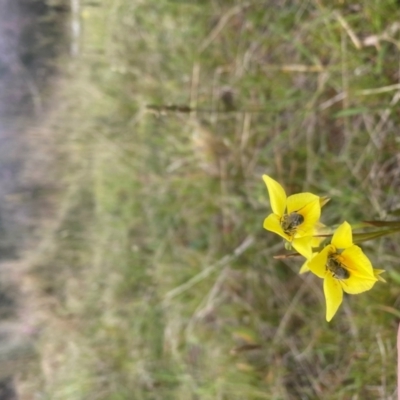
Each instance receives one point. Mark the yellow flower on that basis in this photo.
(294, 217)
(344, 268)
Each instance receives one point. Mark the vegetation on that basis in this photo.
(157, 280)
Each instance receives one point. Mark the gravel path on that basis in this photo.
(23, 70)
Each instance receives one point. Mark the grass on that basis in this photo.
(157, 280)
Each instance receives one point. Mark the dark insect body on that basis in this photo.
(289, 222)
(337, 269)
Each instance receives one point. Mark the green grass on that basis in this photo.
(155, 200)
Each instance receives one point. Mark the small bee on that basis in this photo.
(337, 268)
(289, 222)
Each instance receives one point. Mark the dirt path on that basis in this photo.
(26, 67)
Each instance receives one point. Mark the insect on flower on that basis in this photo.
(344, 268)
(337, 269)
(293, 217)
(290, 222)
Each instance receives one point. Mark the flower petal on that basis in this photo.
(333, 296)
(343, 236)
(318, 264)
(296, 202)
(357, 262)
(303, 246)
(354, 285)
(362, 276)
(277, 195)
(304, 268)
(311, 212)
(272, 223)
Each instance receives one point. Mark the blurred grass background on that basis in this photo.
(156, 279)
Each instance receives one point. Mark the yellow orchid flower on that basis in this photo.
(344, 268)
(294, 217)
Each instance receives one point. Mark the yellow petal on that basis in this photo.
(362, 277)
(318, 263)
(272, 223)
(357, 262)
(304, 268)
(343, 236)
(296, 202)
(277, 195)
(303, 246)
(333, 296)
(311, 213)
(354, 285)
